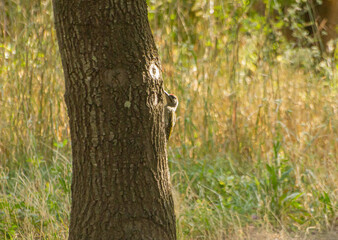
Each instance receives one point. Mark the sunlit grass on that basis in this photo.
(254, 149)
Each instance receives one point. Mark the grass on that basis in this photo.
(254, 152)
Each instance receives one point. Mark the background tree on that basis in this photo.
(114, 96)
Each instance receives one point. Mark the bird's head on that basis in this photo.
(172, 100)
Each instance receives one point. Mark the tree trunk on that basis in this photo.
(114, 97)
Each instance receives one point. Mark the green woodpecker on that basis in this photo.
(169, 113)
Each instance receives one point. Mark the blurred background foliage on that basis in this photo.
(254, 151)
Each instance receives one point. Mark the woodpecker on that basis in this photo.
(169, 113)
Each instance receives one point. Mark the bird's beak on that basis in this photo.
(166, 93)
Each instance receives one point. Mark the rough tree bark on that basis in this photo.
(114, 97)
